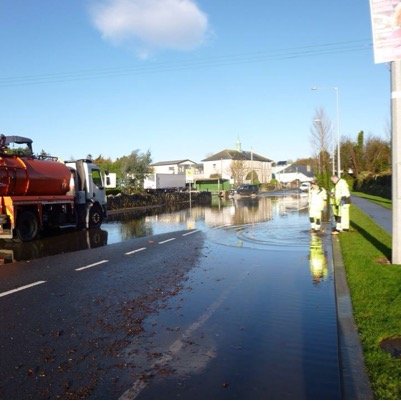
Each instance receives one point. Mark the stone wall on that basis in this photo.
(169, 199)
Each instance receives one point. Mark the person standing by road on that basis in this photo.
(341, 202)
(317, 199)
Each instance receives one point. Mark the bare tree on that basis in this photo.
(321, 140)
(238, 171)
(387, 131)
(377, 155)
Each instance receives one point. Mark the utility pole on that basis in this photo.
(338, 134)
(385, 50)
(396, 158)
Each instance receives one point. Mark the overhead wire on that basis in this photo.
(219, 61)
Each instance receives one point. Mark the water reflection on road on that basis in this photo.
(235, 213)
(233, 222)
(13, 251)
(256, 316)
(257, 319)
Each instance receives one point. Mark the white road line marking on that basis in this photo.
(135, 251)
(167, 240)
(140, 384)
(191, 232)
(92, 265)
(3, 294)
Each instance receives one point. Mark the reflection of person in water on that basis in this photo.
(317, 260)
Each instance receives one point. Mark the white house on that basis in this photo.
(294, 173)
(279, 166)
(175, 167)
(238, 166)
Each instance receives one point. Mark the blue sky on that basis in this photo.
(184, 78)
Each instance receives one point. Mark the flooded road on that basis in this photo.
(255, 316)
(121, 227)
(233, 213)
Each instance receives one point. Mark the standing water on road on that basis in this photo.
(257, 318)
(236, 214)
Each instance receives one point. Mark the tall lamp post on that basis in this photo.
(315, 88)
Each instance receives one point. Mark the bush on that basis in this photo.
(379, 185)
(113, 191)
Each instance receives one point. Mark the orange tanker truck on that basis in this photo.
(39, 193)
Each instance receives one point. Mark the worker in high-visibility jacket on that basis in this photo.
(341, 203)
(317, 202)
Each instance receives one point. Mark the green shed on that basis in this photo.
(212, 185)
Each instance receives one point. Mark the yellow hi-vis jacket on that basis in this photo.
(341, 193)
(317, 198)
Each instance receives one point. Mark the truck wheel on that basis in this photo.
(95, 217)
(27, 227)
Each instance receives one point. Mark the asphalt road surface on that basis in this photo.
(66, 319)
(237, 312)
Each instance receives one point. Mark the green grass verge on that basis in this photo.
(376, 297)
(376, 199)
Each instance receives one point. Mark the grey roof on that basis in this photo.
(229, 154)
(295, 168)
(170, 162)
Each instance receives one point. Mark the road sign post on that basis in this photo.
(189, 173)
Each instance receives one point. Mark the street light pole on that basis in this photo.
(338, 134)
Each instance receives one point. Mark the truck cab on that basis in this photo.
(88, 188)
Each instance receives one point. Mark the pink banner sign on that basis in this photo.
(386, 29)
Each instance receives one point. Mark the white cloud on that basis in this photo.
(151, 24)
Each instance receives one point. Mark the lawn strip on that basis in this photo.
(375, 287)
